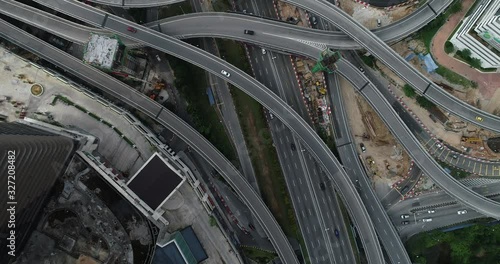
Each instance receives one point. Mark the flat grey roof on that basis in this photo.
(154, 182)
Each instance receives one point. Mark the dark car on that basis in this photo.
(251, 226)
(405, 189)
(248, 32)
(293, 147)
(131, 29)
(405, 222)
(337, 234)
(322, 186)
(314, 20)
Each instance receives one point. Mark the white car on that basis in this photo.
(158, 57)
(404, 216)
(461, 212)
(439, 146)
(225, 73)
(264, 51)
(431, 211)
(427, 220)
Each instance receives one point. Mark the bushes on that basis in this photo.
(409, 91)
(423, 102)
(448, 47)
(465, 55)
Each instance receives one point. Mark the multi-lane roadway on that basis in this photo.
(365, 88)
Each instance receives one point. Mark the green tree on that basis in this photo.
(456, 7)
(409, 91)
(448, 47)
(466, 53)
(423, 102)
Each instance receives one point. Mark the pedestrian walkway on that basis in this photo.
(487, 82)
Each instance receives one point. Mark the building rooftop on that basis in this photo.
(155, 182)
(101, 50)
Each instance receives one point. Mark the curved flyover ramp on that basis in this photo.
(259, 92)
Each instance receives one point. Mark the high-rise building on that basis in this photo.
(30, 162)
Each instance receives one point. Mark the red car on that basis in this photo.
(131, 29)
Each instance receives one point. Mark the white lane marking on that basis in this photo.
(305, 197)
(314, 228)
(378, 219)
(300, 181)
(328, 214)
(293, 182)
(385, 232)
(309, 209)
(286, 156)
(260, 72)
(287, 139)
(298, 199)
(329, 199)
(267, 72)
(308, 231)
(324, 201)
(295, 164)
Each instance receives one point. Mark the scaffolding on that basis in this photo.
(327, 60)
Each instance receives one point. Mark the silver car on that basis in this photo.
(225, 73)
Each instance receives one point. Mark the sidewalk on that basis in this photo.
(487, 82)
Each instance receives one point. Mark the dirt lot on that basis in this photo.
(368, 15)
(471, 96)
(390, 161)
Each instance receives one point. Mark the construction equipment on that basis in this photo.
(326, 62)
(471, 140)
(157, 87)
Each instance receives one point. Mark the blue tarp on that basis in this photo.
(430, 65)
(410, 56)
(210, 96)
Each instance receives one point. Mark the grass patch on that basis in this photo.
(347, 221)
(479, 243)
(369, 60)
(221, 5)
(234, 53)
(409, 91)
(265, 160)
(259, 256)
(465, 56)
(454, 77)
(191, 83)
(175, 10)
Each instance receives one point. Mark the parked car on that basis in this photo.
(379, 23)
(461, 212)
(405, 216)
(131, 29)
(405, 222)
(363, 148)
(251, 227)
(225, 73)
(293, 147)
(361, 69)
(271, 115)
(264, 51)
(405, 189)
(337, 234)
(248, 32)
(455, 156)
(425, 220)
(158, 57)
(322, 186)
(431, 211)
(439, 146)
